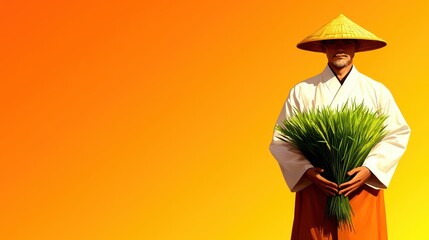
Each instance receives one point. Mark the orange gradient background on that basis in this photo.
(152, 120)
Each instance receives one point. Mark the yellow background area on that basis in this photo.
(152, 120)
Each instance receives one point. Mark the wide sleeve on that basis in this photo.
(292, 163)
(383, 159)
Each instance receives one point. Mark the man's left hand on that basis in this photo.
(361, 175)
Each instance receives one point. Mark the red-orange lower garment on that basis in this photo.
(369, 218)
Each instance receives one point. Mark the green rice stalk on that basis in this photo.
(336, 140)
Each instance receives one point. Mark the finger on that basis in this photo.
(347, 191)
(349, 183)
(346, 184)
(332, 191)
(353, 171)
(350, 191)
(329, 184)
(354, 183)
(326, 182)
(329, 188)
(328, 191)
(356, 179)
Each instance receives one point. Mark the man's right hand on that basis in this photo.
(327, 187)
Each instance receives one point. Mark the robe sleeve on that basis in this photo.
(384, 157)
(292, 163)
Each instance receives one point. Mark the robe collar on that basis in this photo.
(339, 94)
(344, 78)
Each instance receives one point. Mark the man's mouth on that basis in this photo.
(340, 55)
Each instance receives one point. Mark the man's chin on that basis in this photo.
(340, 63)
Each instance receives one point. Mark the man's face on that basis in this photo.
(340, 53)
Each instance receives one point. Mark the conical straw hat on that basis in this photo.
(342, 28)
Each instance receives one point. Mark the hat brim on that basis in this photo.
(364, 45)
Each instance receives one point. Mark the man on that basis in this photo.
(339, 83)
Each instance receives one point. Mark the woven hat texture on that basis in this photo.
(342, 28)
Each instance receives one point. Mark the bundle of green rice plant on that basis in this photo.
(336, 140)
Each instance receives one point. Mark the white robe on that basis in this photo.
(325, 90)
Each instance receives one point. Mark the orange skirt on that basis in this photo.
(369, 219)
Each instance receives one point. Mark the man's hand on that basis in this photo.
(362, 174)
(327, 187)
